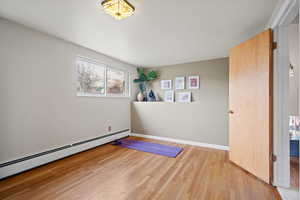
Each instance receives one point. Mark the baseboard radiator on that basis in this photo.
(23, 164)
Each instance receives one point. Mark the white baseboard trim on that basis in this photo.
(179, 141)
(41, 160)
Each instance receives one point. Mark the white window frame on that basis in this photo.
(106, 67)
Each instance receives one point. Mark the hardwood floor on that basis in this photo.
(114, 173)
(294, 173)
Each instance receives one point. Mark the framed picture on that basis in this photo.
(179, 83)
(166, 84)
(169, 96)
(193, 82)
(185, 97)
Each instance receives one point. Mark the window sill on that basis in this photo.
(103, 96)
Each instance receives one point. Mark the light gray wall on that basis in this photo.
(203, 120)
(39, 107)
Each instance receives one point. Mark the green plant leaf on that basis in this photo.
(140, 71)
(143, 77)
(137, 80)
(152, 75)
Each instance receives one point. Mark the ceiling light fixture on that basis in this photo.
(119, 9)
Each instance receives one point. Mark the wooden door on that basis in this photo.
(250, 104)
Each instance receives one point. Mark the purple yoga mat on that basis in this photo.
(160, 149)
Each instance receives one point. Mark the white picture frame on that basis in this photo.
(184, 97)
(166, 84)
(169, 96)
(180, 83)
(193, 82)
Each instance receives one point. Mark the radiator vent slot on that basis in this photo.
(57, 149)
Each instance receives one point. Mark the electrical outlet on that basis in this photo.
(109, 128)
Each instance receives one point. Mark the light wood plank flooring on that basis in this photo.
(114, 173)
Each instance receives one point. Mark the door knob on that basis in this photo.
(230, 112)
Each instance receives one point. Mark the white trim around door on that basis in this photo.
(283, 15)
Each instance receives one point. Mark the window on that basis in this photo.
(90, 78)
(116, 82)
(95, 79)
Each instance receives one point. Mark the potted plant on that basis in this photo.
(142, 81)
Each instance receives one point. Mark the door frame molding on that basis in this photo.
(284, 13)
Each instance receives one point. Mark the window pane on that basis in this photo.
(90, 78)
(116, 82)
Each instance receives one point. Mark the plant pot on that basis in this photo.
(140, 96)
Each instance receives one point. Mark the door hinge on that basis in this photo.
(274, 45)
(274, 158)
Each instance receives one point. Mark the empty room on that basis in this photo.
(156, 100)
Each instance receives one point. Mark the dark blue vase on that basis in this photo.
(151, 96)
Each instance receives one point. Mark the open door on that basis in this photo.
(250, 103)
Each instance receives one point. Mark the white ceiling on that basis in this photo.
(162, 32)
